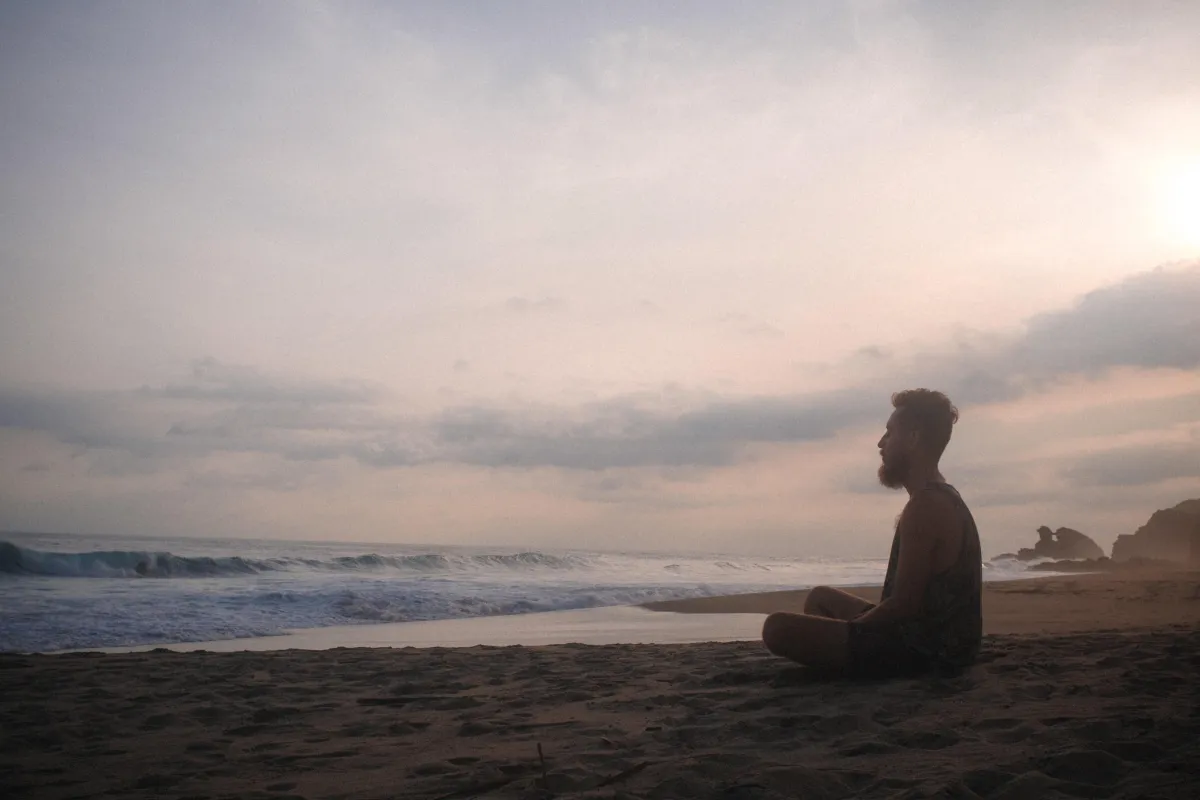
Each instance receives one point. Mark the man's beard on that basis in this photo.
(892, 475)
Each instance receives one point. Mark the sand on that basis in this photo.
(1109, 711)
(1041, 605)
(612, 625)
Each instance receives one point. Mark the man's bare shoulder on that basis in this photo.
(928, 511)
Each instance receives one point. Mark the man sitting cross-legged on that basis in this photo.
(929, 614)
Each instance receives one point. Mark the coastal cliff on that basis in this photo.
(1171, 534)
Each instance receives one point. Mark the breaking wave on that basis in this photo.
(17, 560)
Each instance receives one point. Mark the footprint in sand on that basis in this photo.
(157, 722)
(1094, 767)
(1016, 735)
(925, 740)
(273, 714)
(457, 704)
(474, 728)
(985, 781)
(432, 768)
(246, 730)
(871, 747)
(1052, 721)
(996, 724)
(1140, 752)
(207, 715)
(840, 724)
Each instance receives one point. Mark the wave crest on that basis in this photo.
(17, 560)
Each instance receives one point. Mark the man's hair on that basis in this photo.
(928, 412)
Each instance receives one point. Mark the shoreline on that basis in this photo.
(1082, 602)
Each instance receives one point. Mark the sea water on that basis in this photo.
(62, 592)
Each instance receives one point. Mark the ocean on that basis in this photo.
(61, 592)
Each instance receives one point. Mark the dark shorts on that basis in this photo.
(879, 651)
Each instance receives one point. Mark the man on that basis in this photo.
(929, 614)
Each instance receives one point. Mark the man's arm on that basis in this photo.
(926, 521)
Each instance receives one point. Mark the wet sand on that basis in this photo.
(1109, 711)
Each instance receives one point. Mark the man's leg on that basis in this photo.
(825, 601)
(815, 641)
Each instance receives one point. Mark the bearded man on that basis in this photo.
(929, 615)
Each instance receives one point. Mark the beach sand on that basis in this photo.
(1069, 604)
(1108, 709)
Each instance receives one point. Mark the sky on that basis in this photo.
(622, 275)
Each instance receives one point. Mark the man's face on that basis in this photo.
(895, 452)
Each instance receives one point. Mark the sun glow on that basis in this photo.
(1179, 202)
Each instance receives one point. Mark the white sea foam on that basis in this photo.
(77, 592)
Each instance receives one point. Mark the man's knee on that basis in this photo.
(773, 631)
(813, 602)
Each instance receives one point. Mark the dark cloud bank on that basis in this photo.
(1147, 321)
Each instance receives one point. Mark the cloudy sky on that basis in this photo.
(609, 275)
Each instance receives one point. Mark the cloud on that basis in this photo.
(87, 420)
(221, 408)
(214, 380)
(1139, 465)
(1147, 321)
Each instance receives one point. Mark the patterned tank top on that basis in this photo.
(949, 626)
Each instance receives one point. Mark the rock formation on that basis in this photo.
(1171, 534)
(1064, 543)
